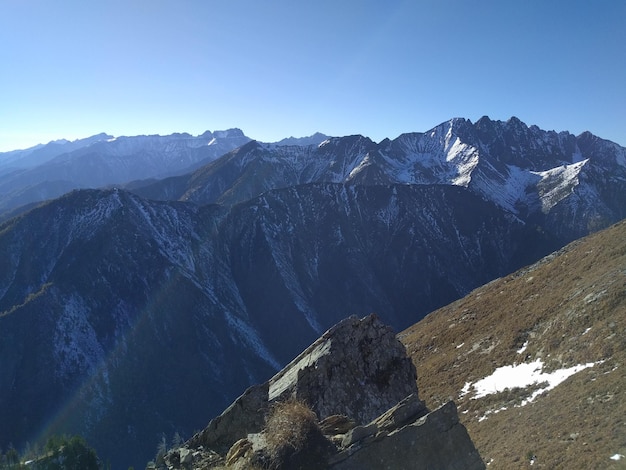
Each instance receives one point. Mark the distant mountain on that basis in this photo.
(314, 139)
(535, 360)
(570, 185)
(31, 157)
(103, 160)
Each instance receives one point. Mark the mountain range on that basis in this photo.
(539, 176)
(48, 171)
(141, 309)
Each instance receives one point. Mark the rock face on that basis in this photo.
(436, 440)
(359, 382)
(357, 368)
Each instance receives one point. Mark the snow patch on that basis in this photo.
(558, 183)
(77, 349)
(465, 390)
(251, 338)
(522, 376)
(523, 348)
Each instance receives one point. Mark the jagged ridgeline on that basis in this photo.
(126, 315)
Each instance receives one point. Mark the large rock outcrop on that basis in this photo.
(357, 368)
(359, 383)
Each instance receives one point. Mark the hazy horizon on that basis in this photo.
(292, 69)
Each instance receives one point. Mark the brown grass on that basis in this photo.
(288, 426)
(294, 439)
(571, 308)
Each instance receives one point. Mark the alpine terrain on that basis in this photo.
(535, 360)
(48, 171)
(144, 309)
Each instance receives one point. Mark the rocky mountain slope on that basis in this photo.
(570, 185)
(102, 292)
(358, 382)
(48, 171)
(112, 304)
(535, 360)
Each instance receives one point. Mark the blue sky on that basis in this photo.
(70, 69)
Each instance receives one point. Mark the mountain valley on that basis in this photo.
(144, 307)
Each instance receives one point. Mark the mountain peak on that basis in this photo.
(515, 121)
(314, 139)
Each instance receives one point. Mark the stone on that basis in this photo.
(239, 450)
(186, 456)
(359, 433)
(358, 369)
(246, 415)
(361, 387)
(336, 424)
(436, 440)
(408, 410)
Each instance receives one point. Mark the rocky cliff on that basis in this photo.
(357, 380)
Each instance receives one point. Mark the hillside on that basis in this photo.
(112, 303)
(571, 185)
(564, 314)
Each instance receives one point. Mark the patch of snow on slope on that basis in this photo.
(360, 167)
(558, 183)
(509, 188)
(282, 257)
(522, 376)
(620, 157)
(77, 349)
(432, 160)
(171, 229)
(465, 159)
(465, 390)
(523, 348)
(251, 338)
(86, 222)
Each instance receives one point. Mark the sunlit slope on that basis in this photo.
(501, 351)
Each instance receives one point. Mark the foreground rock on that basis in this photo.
(349, 401)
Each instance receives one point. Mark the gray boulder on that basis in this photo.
(358, 368)
(361, 389)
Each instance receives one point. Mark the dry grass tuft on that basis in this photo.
(294, 439)
(288, 426)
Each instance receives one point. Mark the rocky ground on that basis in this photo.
(349, 401)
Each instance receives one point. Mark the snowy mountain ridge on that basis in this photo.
(525, 170)
(51, 170)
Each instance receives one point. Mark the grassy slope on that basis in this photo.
(571, 309)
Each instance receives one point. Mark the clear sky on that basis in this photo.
(280, 68)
